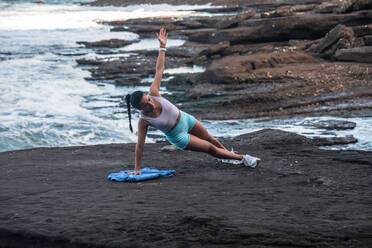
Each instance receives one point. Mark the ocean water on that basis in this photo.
(45, 100)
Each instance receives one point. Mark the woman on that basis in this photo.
(180, 128)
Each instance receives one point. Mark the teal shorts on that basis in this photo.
(179, 136)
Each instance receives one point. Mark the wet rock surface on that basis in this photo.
(331, 141)
(330, 124)
(299, 196)
(112, 43)
(269, 59)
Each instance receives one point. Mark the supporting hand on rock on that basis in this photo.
(137, 172)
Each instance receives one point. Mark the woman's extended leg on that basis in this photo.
(201, 132)
(200, 145)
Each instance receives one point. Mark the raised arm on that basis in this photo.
(155, 86)
(142, 131)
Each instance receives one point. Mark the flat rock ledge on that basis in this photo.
(299, 196)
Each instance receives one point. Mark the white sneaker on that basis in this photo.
(230, 161)
(250, 161)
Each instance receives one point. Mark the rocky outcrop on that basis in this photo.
(338, 38)
(233, 21)
(331, 141)
(305, 26)
(343, 6)
(238, 69)
(341, 43)
(257, 64)
(296, 197)
(112, 43)
(330, 124)
(357, 54)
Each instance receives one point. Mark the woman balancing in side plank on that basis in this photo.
(181, 129)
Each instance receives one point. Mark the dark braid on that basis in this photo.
(127, 99)
(133, 99)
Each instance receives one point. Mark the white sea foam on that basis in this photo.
(45, 101)
(29, 16)
(185, 69)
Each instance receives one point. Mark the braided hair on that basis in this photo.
(133, 99)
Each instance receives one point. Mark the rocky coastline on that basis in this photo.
(269, 60)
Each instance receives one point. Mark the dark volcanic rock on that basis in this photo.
(237, 69)
(255, 67)
(342, 44)
(359, 54)
(367, 40)
(326, 7)
(299, 196)
(331, 124)
(305, 26)
(88, 62)
(272, 137)
(331, 141)
(343, 6)
(112, 43)
(234, 20)
(362, 30)
(215, 49)
(338, 38)
(279, 12)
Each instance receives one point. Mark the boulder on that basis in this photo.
(331, 141)
(303, 8)
(271, 137)
(306, 26)
(367, 40)
(338, 38)
(233, 69)
(279, 12)
(357, 54)
(204, 90)
(345, 6)
(215, 49)
(326, 7)
(233, 21)
(362, 30)
(362, 4)
(330, 124)
(112, 43)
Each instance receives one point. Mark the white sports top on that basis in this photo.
(167, 118)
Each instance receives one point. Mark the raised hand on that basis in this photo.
(162, 37)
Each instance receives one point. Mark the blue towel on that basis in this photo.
(147, 174)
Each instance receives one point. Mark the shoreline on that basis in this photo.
(279, 69)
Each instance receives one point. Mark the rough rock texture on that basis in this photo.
(299, 196)
(256, 67)
(330, 124)
(359, 54)
(112, 43)
(233, 21)
(343, 6)
(339, 37)
(330, 141)
(177, 2)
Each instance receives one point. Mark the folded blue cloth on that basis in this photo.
(147, 174)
